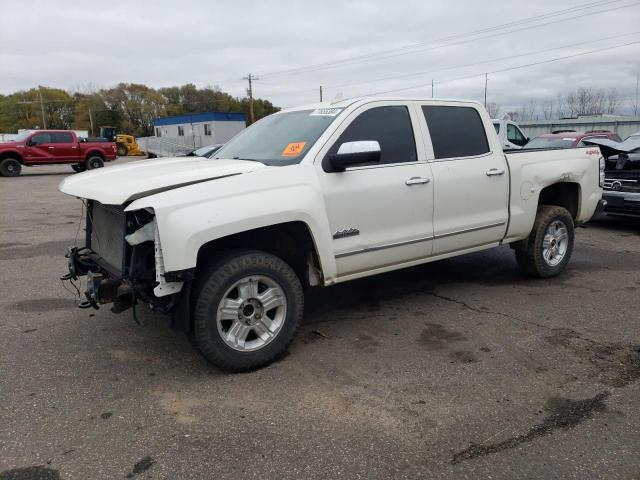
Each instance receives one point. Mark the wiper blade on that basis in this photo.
(248, 159)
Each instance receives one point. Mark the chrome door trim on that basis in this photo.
(382, 247)
(417, 240)
(469, 230)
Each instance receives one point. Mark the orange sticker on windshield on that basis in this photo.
(293, 149)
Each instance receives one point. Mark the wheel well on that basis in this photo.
(94, 153)
(15, 155)
(291, 241)
(566, 195)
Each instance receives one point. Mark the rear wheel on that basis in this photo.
(248, 309)
(10, 167)
(79, 167)
(121, 149)
(550, 243)
(94, 162)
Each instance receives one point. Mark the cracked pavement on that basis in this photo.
(462, 368)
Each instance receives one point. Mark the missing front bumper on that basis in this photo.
(102, 287)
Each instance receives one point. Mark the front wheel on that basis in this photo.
(248, 308)
(550, 243)
(10, 167)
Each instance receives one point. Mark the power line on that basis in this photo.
(508, 68)
(465, 65)
(429, 45)
(454, 67)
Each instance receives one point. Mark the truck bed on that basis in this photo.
(533, 170)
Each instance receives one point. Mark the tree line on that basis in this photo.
(582, 101)
(129, 107)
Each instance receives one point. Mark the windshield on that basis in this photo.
(551, 142)
(22, 135)
(280, 139)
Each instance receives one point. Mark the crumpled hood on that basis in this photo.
(115, 185)
(611, 147)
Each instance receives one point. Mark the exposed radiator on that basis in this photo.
(107, 234)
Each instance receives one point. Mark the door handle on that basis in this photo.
(494, 171)
(417, 181)
(51, 148)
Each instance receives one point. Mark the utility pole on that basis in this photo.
(251, 78)
(432, 88)
(90, 120)
(320, 92)
(635, 105)
(44, 121)
(486, 79)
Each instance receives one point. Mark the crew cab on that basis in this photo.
(50, 147)
(314, 196)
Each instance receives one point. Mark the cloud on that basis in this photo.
(160, 43)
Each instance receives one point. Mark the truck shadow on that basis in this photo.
(491, 267)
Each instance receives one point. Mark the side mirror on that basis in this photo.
(354, 153)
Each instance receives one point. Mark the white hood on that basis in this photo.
(119, 184)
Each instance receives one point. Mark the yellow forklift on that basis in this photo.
(126, 145)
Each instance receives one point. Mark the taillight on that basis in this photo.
(603, 164)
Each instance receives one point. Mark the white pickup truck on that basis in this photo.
(314, 196)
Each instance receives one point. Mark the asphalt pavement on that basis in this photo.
(462, 368)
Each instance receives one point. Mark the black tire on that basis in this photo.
(214, 282)
(10, 167)
(532, 260)
(79, 167)
(94, 162)
(121, 149)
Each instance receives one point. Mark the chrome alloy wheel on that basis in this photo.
(555, 243)
(251, 313)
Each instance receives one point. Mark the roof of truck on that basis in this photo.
(346, 102)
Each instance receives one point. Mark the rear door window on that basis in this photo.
(455, 131)
(61, 137)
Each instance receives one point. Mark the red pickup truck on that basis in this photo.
(49, 147)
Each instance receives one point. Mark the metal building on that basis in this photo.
(183, 133)
(622, 125)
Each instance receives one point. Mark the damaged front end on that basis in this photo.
(621, 175)
(123, 264)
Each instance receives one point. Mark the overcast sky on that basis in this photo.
(71, 44)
